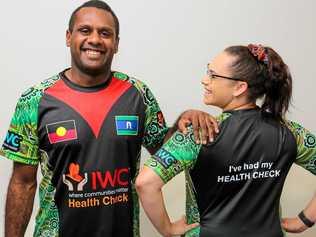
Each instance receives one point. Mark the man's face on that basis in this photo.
(93, 41)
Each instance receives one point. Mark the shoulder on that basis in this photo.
(34, 93)
(222, 117)
(296, 128)
(142, 88)
(134, 81)
(301, 134)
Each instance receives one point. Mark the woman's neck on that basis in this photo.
(249, 105)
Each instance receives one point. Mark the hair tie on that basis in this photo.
(259, 52)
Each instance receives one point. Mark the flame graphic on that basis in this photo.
(74, 172)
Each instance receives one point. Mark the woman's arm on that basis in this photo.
(148, 186)
(306, 158)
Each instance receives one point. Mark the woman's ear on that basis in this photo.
(240, 88)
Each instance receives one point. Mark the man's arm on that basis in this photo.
(296, 225)
(20, 198)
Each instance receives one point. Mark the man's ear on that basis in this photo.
(68, 37)
(240, 88)
(117, 45)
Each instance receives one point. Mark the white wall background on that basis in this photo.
(166, 44)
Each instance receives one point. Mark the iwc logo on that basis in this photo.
(12, 141)
(73, 178)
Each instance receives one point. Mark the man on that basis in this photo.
(85, 127)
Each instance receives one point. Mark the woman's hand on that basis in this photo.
(293, 225)
(180, 227)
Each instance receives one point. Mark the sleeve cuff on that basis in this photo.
(17, 158)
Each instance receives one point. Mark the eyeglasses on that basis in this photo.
(212, 75)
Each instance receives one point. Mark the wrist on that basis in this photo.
(167, 231)
(307, 222)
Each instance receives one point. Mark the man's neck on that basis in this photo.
(85, 80)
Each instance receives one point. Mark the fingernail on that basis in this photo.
(211, 139)
(197, 141)
(204, 142)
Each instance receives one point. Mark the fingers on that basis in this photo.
(203, 129)
(209, 126)
(293, 225)
(288, 225)
(191, 226)
(214, 123)
(183, 124)
(210, 130)
(195, 125)
(204, 125)
(180, 227)
(284, 223)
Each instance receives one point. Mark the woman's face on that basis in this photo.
(219, 91)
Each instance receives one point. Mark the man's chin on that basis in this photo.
(94, 70)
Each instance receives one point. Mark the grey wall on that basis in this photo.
(166, 44)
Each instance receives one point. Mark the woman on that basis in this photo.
(234, 184)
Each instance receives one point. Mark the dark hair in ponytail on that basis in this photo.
(269, 78)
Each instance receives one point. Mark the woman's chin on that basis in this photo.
(207, 101)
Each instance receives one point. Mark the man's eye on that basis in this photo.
(84, 30)
(105, 33)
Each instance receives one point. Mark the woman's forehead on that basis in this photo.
(221, 62)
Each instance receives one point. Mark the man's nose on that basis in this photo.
(94, 38)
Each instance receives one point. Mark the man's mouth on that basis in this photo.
(93, 52)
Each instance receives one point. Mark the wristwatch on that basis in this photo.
(305, 220)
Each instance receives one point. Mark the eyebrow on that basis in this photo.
(207, 66)
(107, 28)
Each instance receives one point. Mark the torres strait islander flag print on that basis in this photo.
(61, 131)
(126, 125)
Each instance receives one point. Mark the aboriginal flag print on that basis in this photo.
(61, 131)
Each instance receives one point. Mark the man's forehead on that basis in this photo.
(88, 15)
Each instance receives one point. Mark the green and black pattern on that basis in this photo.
(306, 146)
(154, 133)
(180, 153)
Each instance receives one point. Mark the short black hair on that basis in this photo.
(97, 4)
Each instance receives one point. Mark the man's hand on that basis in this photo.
(201, 122)
(180, 227)
(293, 225)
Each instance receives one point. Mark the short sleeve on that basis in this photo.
(21, 141)
(306, 147)
(155, 126)
(177, 154)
